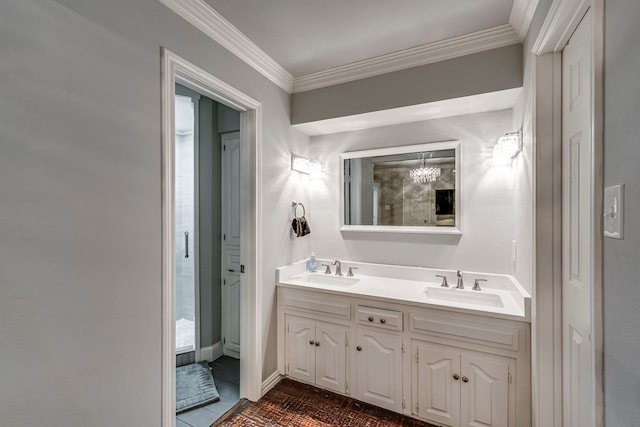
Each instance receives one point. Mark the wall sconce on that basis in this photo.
(507, 148)
(305, 166)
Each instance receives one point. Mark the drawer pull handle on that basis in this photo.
(456, 377)
(359, 348)
(383, 321)
(465, 379)
(312, 342)
(370, 318)
(317, 344)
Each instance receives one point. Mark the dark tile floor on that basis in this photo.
(226, 375)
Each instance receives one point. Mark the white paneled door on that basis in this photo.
(577, 229)
(231, 262)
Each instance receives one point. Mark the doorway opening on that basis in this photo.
(207, 236)
(195, 258)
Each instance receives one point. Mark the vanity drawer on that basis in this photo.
(485, 333)
(379, 317)
(326, 306)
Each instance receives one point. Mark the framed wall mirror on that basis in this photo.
(408, 189)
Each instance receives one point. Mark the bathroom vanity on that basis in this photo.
(394, 337)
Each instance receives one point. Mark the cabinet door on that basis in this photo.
(485, 394)
(331, 356)
(436, 389)
(379, 369)
(301, 349)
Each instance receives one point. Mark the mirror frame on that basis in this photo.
(431, 146)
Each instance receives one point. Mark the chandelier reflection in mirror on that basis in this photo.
(424, 173)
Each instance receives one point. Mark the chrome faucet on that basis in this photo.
(444, 284)
(460, 284)
(338, 267)
(476, 284)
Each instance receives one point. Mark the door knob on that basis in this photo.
(465, 379)
(383, 321)
(359, 348)
(311, 342)
(317, 344)
(456, 377)
(370, 318)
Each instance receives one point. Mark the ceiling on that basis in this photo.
(308, 36)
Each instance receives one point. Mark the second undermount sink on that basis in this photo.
(453, 295)
(326, 279)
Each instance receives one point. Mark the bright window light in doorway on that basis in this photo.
(507, 148)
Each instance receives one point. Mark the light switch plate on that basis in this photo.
(614, 211)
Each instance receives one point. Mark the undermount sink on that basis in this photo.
(326, 279)
(453, 295)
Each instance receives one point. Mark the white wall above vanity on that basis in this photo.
(394, 337)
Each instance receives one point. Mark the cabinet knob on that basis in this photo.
(317, 344)
(456, 377)
(370, 318)
(465, 379)
(383, 321)
(312, 342)
(359, 348)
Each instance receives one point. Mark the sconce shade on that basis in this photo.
(507, 148)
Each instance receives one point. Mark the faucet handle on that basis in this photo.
(350, 272)
(444, 284)
(328, 270)
(476, 284)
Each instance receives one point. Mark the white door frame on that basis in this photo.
(177, 70)
(561, 21)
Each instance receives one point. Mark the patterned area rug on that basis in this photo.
(291, 403)
(194, 386)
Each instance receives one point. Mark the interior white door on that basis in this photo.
(231, 262)
(577, 229)
(231, 325)
(231, 188)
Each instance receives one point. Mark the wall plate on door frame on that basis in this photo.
(614, 211)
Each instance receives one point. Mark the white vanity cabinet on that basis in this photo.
(316, 352)
(448, 367)
(457, 387)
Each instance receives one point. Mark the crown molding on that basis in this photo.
(521, 16)
(209, 21)
(561, 21)
(442, 50)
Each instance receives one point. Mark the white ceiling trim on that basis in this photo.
(521, 16)
(442, 50)
(209, 21)
(561, 21)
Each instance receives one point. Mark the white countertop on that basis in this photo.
(501, 296)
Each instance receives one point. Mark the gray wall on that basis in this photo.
(80, 223)
(483, 72)
(621, 268)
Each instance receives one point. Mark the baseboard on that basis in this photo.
(211, 352)
(271, 381)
